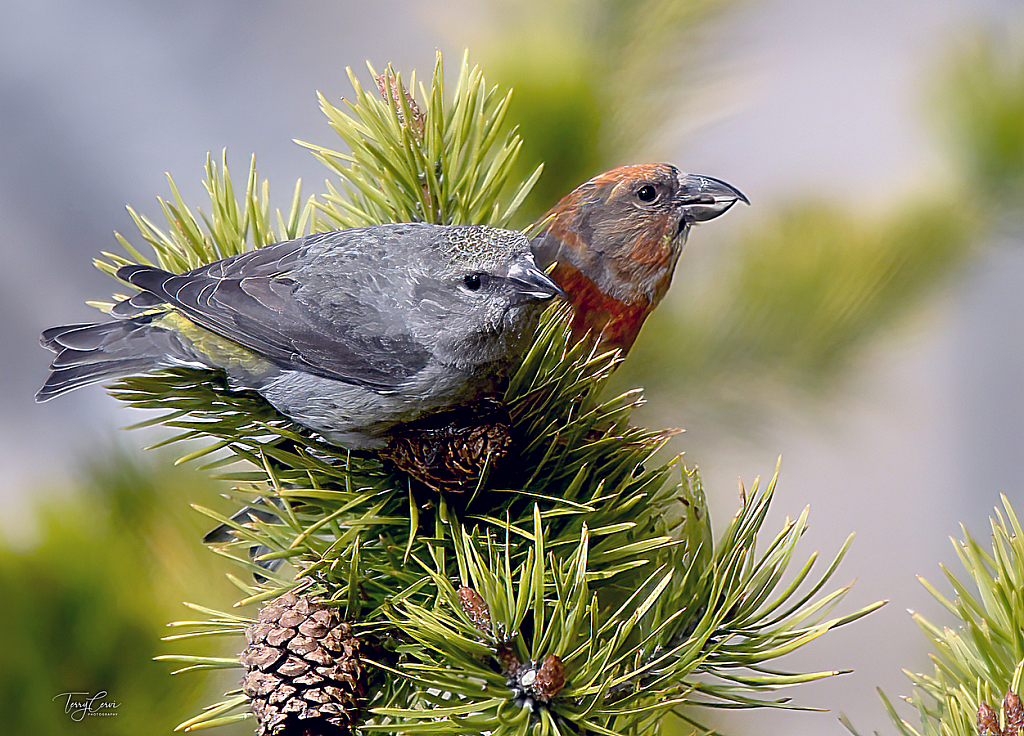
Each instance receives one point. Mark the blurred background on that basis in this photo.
(864, 318)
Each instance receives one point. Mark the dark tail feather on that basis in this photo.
(49, 337)
(261, 510)
(91, 353)
(62, 380)
(136, 305)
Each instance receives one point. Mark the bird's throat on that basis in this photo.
(612, 323)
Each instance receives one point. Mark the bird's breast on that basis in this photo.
(613, 322)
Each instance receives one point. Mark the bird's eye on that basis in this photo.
(472, 281)
(647, 193)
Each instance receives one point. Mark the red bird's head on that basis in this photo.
(616, 240)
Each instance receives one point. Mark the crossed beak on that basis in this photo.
(703, 198)
(530, 281)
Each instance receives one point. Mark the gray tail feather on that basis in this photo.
(49, 337)
(260, 510)
(136, 305)
(88, 353)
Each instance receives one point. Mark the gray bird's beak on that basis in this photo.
(530, 282)
(703, 198)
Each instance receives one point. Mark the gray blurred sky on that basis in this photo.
(97, 100)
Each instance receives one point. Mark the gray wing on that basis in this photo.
(253, 299)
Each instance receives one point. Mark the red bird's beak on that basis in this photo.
(703, 198)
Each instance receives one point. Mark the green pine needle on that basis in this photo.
(434, 161)
(647, 656)
(981, 659)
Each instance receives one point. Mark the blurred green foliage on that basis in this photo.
(87, 603)
(559, 120)
(979, 99)
(796, 300)
(596, 83)
(980, 655)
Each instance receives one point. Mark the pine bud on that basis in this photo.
(533, 686)
(1014, 714)
(550, 677)
(507, 656)
(475, 608)
(988, 721)
(390, 90)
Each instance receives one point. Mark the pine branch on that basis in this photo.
(607, 605)
(436, 163)
(981, 659)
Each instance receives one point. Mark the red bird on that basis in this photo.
(616, 240)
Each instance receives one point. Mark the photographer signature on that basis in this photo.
(79, 705)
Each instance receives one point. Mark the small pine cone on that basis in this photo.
(1014, 714)
(390, 90)
(534, 685)
(506, 654)
(449, 451)
(550, 677)
(988, 721)
(302, 670)
(475, 607)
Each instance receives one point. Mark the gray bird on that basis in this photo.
(348, 333)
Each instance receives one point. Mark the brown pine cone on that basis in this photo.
(1014, 713)
(449, 451)
(302, 670)
(475, 607)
